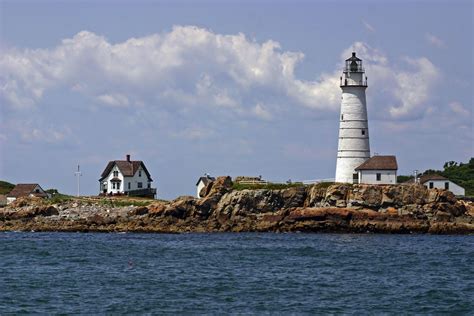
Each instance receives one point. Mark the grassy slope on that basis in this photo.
(6, 187)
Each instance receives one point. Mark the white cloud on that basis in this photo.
(261, 112)
(194, 133)
(432, 39)
(33, 132)
(368, 26)
(413, 88)
(116, 99)
(194, 67)
(459, 109)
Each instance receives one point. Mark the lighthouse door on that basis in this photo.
(355, 178)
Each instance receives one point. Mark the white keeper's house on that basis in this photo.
(128, 177)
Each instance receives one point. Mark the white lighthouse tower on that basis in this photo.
(353, 147)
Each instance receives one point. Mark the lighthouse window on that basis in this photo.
(363, 132)
(342, 117)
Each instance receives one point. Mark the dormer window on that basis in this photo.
(115, 173)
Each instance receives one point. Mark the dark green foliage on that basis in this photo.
(462, 174)
(6, 187)
(401, 179)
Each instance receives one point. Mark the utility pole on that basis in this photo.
(78, 175)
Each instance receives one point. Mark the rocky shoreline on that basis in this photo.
(317, 208)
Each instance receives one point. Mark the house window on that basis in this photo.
(363, 132)
(379, 176)
(446, 185)
(113, 185)
(129, 185)
(115, 173)
(139, 173)
(118, 185)
(149, 185)
(140, 185)
(431, 185)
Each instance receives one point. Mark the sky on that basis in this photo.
(226, 87)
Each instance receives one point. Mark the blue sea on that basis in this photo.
(246, 273)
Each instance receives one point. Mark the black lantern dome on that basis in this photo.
(354, 64)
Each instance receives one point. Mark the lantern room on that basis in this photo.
(354, 64)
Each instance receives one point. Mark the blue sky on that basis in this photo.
(228, 88)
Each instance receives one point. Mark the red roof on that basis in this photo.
(379, 163)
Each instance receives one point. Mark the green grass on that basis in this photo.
(277, 186)
(125, 202)
(6, 187)
(57, 197)
(324, 185)
(268, 186)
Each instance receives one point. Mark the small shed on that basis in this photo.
(377, 170)
(26, 190)
(437, 181)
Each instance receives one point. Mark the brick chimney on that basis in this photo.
(128, 158)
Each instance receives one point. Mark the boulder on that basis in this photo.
(366, 195)
(315, 195)
(336, 194)
(221, 185)
(141, 210)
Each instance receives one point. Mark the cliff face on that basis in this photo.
(337, 208)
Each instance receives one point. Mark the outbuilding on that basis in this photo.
(377, 170)
(437, 181)
(26, 190)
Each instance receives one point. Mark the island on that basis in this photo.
(225, 207)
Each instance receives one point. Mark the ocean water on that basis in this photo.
(88, 273)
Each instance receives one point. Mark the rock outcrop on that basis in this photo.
(315, 208)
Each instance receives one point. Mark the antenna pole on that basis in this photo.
(78, 175)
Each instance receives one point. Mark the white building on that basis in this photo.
(126, 177)
(26, 190)
(377, 170)
(202, 182)
(436, 181)
(353, 146)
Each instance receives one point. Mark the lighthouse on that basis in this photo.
(353, 146)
